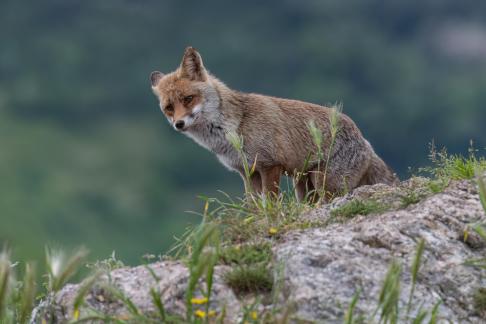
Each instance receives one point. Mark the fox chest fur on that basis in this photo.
(214, 138)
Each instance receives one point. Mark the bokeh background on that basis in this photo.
(87, 158)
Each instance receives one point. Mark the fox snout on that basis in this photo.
(179, 125)
(184, 122)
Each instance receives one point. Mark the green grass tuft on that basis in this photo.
(410, 198)
(250, 279)
(480, 300)
(246, 254)
(454, 167)
(358, 207)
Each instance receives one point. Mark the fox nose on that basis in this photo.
(179, 124)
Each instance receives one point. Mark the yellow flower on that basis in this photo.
(206, 207)
(272, 231)
(211, 313)
(253, 315)
(76, 314)
(200, 313)
(199, 301)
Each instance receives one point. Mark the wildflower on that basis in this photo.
(206, 207)
(253, 315)
(199, 301)
(272, 231)
(199, 313)
(211, 313)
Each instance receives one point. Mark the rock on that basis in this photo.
(135, 283)
(323, 268)
(319, 270)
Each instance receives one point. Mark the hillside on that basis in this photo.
(377, 253)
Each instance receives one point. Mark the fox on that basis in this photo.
(275, 133)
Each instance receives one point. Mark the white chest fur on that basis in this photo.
(213, 138)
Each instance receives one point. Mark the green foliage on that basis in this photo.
(390, 295)
(480, 300)
(251, 269)
(62, 267)
(250, 279)
(246, 254)
(357, 207)
(203, 258)
(415, 270)
(410, 198)
(482, 187)
(454, 167)
(388, 300)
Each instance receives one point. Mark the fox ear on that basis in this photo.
(192, 66)
(155, 77)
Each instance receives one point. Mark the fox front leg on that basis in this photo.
(255, 183)
(271, 179)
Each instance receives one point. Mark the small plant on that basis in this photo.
(388, 306)
(201, 263)
(438, 185)
(250, 279)
(246, 254)
(390, 295)
(320, 194)
(454, 167)
(61, 268)
(410, 198)
(357, 207)
(480, 300)
(481, 187)
(106, 265)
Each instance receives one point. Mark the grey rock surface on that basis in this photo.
(319, 270)
(135, 283)
(323, 268)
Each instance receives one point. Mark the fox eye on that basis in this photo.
(169, 108)
(188, 99)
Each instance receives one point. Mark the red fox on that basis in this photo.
(275, 133)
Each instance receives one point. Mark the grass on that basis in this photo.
(480, 300)
(251, 271)
(357, 207)
(246, 254)
(248, 279)
(410, 198)
(446, 167)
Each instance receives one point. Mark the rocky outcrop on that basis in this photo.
(319, 270)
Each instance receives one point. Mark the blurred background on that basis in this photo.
(86, 157)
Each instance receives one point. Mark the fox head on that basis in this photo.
(187, 96)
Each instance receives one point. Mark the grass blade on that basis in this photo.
(4, 279)
(348, 317)
(415, 269)
(28, 293)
